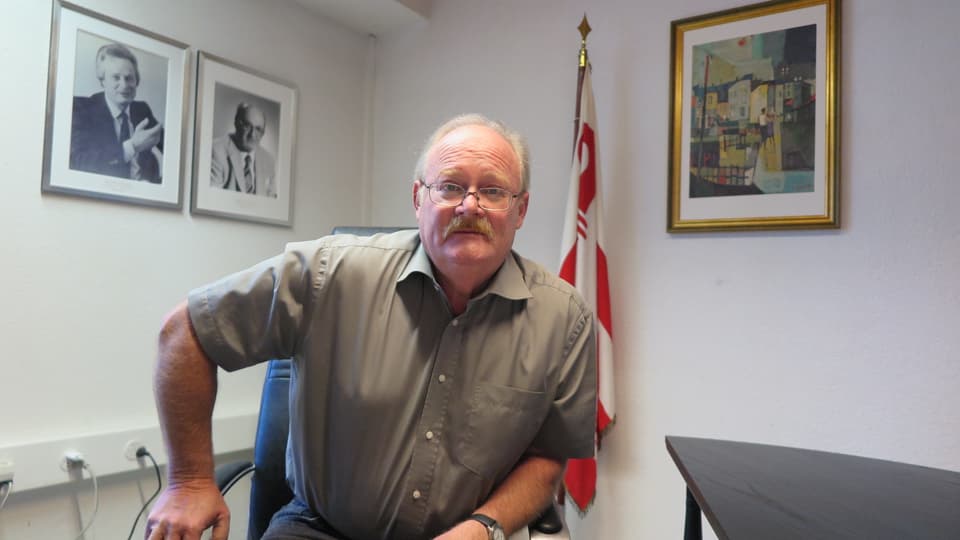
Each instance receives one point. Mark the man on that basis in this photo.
(439, 382)
(239, 163)
(112, 134)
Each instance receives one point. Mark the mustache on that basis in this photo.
(463, 224)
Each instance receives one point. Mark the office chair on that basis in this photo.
(269, 490)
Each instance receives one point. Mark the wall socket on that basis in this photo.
(72, 460)
(6, 471)
(130, 450)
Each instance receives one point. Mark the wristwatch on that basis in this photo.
(494, 530)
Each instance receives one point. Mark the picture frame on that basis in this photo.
(244, 137)
(109, 80)
(754, 127)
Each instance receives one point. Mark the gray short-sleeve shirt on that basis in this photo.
(403, 418)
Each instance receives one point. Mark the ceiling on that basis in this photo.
(370, 16)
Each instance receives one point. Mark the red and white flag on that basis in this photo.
(585, 267)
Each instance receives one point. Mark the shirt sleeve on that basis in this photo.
(257, 314)
(570, 426)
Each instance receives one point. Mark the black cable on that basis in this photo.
(141, 452)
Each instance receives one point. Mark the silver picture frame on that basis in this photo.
(82, 151)
(244, 143)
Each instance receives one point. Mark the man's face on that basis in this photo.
(473, 157)
(249, 129)
(119, 81)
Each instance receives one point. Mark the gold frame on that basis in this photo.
(814, 208)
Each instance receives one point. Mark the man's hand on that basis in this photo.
(470, 529)
(145, 139)
(186, 509)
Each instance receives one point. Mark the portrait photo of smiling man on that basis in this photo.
(113, 132)
(242, 159)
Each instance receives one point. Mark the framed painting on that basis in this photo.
(754, 128)
(243, 143)
(116, 110)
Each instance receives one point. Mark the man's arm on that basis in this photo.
(219, 166)
(185, 388)
(525, 492)
(93, 144)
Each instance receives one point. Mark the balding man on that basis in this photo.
(238, 162)
(112, 133)
(440, 380)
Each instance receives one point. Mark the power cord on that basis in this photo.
(96, 500)
(143, 452)
(7, 487)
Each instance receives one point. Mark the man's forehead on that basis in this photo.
(453, 173)
(253, 116)
(117, 63)
(473, 141)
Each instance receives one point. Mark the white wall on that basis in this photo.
(837, 340)
(86, 283)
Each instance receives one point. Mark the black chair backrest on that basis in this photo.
(269, 490)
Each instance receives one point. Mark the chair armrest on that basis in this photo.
(228, 474)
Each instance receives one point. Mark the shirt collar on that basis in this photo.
(508, 282)
(252, 153)
(114, 110)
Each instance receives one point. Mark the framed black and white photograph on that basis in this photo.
(243, 143)
(116, 110)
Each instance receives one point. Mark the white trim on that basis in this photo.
(37, 464)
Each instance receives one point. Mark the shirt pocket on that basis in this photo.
(501, 422)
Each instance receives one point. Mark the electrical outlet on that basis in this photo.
(130, 450)
(6, 471)
(71, 461)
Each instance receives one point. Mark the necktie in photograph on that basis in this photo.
(124, 127)
(249, 181)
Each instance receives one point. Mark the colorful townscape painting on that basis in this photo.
(752, 114)
(754, 118)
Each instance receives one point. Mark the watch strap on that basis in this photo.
(488, 522)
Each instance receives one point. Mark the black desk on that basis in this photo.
(761, 492)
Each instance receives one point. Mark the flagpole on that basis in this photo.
(582, 66)
(584, 28)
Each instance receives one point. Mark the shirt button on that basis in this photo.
(429, 435)
(455, 322)
(442, 378)
(416, 494)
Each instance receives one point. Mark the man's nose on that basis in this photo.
(471, 202)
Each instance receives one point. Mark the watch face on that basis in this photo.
(497, 533)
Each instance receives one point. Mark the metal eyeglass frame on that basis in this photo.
(466, 192)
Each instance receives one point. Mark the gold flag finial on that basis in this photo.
(584, 30)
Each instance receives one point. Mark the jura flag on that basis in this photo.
(585, 267)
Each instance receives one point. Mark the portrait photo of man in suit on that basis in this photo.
(112, 133)
(238, 161)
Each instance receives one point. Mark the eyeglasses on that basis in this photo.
(493, 199)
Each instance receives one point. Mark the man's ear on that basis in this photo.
(522, 207)
(416, 195)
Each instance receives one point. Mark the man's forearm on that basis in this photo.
(185, 388)
(526, 491)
